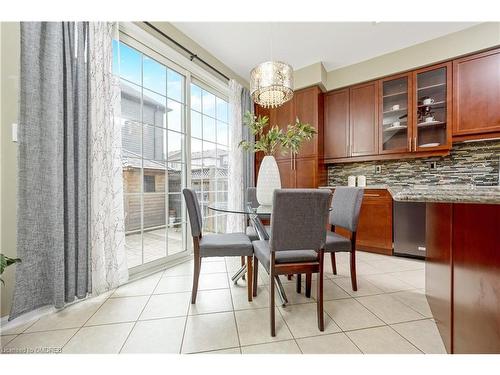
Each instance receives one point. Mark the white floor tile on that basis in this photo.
(212, 267)
(381, 340)
(183, 269)
(254, 327)
(235, 350)
(156, 336)
(39, 342)
(73, 316)
(331, 290)
(174, 284)
(213, 281)
(416, 299)
(15, 328)
(167, 306)
(423, 334)
(337, 343)
(142, 287)
(281, 347)
(365, 288)
(388, 283)
(105, 339)
(4, 340)
(210, 332)
(302, 320)
(389, 309)
(119, 310)
(240, 298)
(210, 301)
(415, 278)
(349, 314)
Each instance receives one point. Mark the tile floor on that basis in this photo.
(388, 314)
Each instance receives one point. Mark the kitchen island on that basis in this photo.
(462, 263)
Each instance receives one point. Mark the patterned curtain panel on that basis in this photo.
(107, 232)
(248, 157)
(52, 213)
(235, 196)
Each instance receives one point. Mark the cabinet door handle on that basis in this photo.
(371, 195)
(409, 144)
(415, 143)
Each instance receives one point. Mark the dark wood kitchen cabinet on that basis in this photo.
(336, 133)
(306, 169)
(363, 119)
(476, 96)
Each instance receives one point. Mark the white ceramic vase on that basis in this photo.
(268, 180)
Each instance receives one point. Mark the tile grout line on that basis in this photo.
(234, 311)
(138, 317)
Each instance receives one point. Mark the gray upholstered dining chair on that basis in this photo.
(214, 245)
(298, 232)
(346, 204)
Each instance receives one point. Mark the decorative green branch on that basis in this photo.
(268, 141)
(5, 262)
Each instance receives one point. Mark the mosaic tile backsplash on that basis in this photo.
(474, 163)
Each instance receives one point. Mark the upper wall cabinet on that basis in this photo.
(395, 114)
(363, 119)
(431, 111)
(476, 94)
(337, 124)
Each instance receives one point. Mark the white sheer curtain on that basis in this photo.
(107, 230)
(235, 223)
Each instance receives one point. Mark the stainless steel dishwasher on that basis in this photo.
(409, 229)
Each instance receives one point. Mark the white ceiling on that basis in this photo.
(241, 46)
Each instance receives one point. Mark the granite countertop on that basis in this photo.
(374, 187)
(443, 194)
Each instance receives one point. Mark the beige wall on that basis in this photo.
(9, 87)
(459, 43)
(314, 74)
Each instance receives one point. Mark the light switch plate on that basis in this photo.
(14, 132)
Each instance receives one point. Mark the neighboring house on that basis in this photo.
(159, 170)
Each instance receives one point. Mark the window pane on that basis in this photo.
(222, 133)
(209, 154)
(130, 64)
(131, 139)
(175, 240)
(154, 75)
(196, 152)
(133, 237)
(222, 157)
(131, 98)
(175, 142)
(132, 173)
(221, 110)
(175, 172)
(196, 124)
(175, 85)
(154, 180)
(154, 146)
(174, 110)
(174, 208)
(154, 227)
(153, 108)
(116, 57)
(208, 103)
(209, 129)
(195, 97)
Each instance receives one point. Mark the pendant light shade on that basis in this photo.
(271, 84)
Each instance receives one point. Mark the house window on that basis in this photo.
(153, 153)
(149, 184)
(209, 153)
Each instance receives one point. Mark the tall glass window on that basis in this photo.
(153, 151)
(209, 154)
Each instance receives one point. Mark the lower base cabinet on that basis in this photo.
(375, 223)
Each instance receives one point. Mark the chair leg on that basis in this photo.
(255, 275)
(321, 318)
(334, 264)
(242, 264)
(299, 282)
(196, 277)
(249, 278)
(271, 300)
(353, 271)
(308, 284)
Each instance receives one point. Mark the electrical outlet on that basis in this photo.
(378, 169)
(432, 165)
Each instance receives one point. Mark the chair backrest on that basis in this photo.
(194, 212)
(346, 204)
(252, 197)
(299, 219)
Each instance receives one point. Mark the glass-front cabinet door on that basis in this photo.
(395, 114)
(432, 110)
